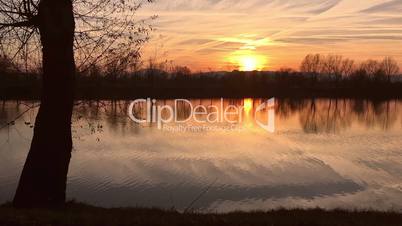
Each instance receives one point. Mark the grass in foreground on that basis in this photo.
(79, 214)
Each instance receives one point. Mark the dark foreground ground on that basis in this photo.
(79, 214)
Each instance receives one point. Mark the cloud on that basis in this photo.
(247, 41)
(290, 27)
(394, 6)
(194, 42)
(316, 6)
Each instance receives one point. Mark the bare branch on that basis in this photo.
(18, 24)
(105, 30)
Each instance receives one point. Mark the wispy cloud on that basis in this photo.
(247, 41)
(394, 6)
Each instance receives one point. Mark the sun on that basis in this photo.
(246, 60)
(248, 105)
(248, 63)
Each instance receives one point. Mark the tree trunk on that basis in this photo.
(44, 177)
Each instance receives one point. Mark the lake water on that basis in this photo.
(324, 153)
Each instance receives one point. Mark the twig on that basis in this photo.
(199, 196)
(19, 116)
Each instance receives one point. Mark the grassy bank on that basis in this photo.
(80, 214)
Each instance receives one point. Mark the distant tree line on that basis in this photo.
(319, 75)
(338, 68)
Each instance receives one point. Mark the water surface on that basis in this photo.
(326, 153)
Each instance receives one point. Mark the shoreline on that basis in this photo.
(126, 93)
(81, 214)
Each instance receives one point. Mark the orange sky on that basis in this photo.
(269, 34)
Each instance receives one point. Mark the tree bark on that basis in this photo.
(44, 176)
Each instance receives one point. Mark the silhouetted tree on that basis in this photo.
(390, 67)
(94, 30)
(347, 67)
(181, 71)
(331, 65)
(370, 68)
(311, 65)
(334, 66)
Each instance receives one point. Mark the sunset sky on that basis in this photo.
(269, 34)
